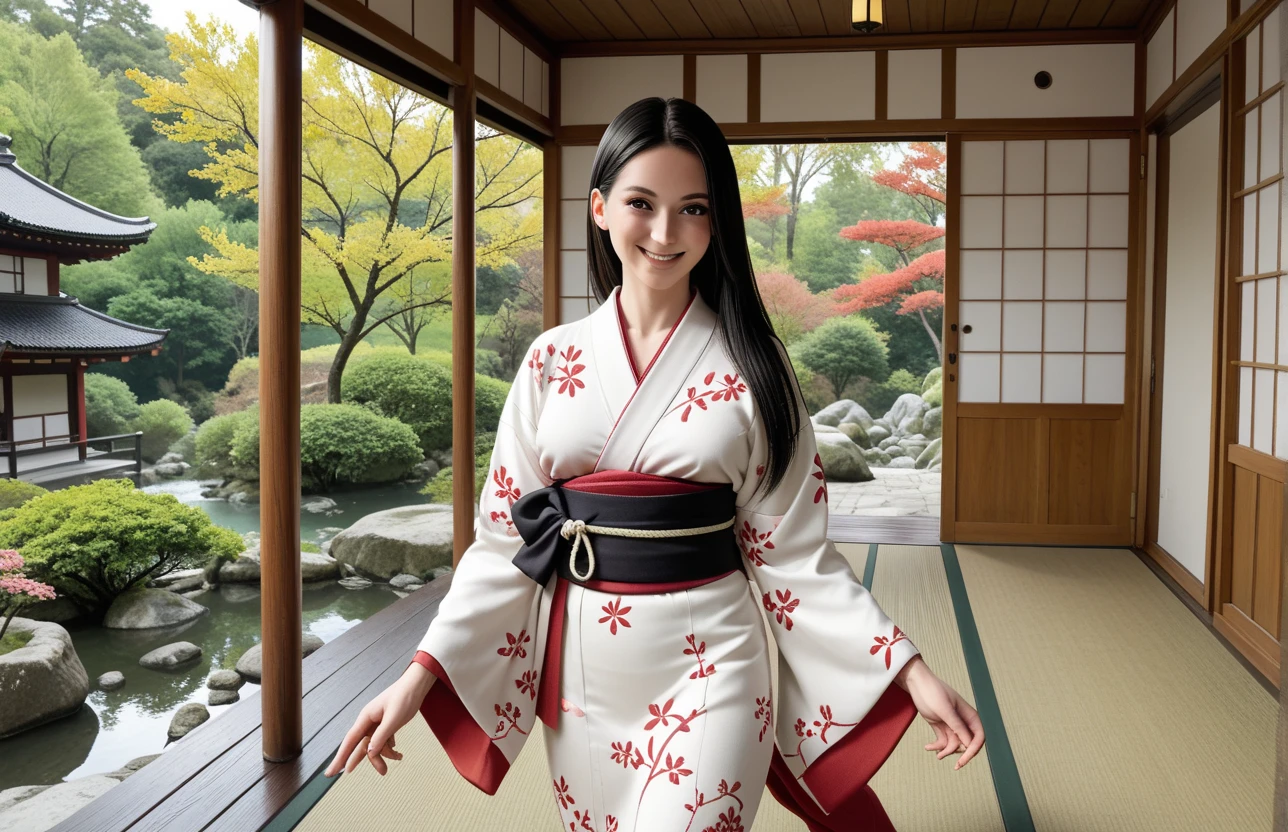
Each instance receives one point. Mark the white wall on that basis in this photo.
(1185, 439)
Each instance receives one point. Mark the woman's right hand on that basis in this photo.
(372, 735)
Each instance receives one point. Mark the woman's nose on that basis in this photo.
(664, 230)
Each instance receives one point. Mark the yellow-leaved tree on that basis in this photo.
(377, 164)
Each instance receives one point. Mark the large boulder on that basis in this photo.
(55, 804)
(140, 609)
(250, 665)
(931, 455)
(843, 412)
(905, 415)
(876, 458)
(858, 435)
(61, 610)
(42, 681)
(932, 424)
(412, 540)
(877, 434)
(903, 462)
(842, 460)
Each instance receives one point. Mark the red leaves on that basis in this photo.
(514, 648)
(627, 756)
(730, 391)
(880, 289)
(527, 684)
(764, 712)
(922, 302)
(783, 608)
(901, 235)
(753, 542)
(888, 644)
(697, 650)
(568, 383)
(615, 614)
(505, 485)
(821, 493)
(561, 793)
(659, 715)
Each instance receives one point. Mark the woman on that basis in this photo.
(655, 495)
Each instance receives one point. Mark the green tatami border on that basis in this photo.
(1011, 800)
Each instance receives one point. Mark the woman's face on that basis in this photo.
(657, 215)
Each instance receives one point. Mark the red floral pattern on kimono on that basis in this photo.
(663, 714)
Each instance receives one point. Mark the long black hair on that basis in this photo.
(724, 275)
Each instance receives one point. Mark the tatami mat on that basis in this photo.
(1124, 712)
(425, 793)
(919, 791)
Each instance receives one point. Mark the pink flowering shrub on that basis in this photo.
(16, 589)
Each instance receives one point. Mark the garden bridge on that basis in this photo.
(1105, 582)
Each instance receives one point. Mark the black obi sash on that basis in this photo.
(539, 517)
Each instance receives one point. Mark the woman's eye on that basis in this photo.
(702, 210)
(633, 202)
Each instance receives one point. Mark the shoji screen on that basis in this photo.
(1044, 271)
(1247, 597)
(1040, 405)
(576, 300)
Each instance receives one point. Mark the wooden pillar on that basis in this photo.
(462, 101)
(280, 185)
(76, 405)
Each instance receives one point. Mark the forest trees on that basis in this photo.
(377, 180)
(917, 286)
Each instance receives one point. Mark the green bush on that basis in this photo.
(311, 548)
(215, 437)
(346, 444)
(97, 541)
(881, 397)
(417, 391)
(110, 406)
(845, 350)
(162, 422)
(14, 493)
(185, 446)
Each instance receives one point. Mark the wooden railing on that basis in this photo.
(133, 444)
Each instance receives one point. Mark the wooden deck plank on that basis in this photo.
(126, 805)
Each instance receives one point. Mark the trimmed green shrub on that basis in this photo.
(97, 541)
(342, 443)
(110, 405)
(14, 493)
(162, 422)
(215, 444)
(311, 548)
(417, 391)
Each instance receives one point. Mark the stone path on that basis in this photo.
(896, 492)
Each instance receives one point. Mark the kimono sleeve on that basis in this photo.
(838, 714)
(484, 644)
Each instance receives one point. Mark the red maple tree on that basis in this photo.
(921, 177)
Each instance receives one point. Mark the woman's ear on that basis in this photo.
(597, 207)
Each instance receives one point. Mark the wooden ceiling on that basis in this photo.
(564, 21)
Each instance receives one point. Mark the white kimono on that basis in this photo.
(666, 719)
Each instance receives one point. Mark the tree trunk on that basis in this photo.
(12, 610)
(934, 339)
(347, 345)
(791, 233)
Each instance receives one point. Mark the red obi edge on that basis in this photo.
(838, 778)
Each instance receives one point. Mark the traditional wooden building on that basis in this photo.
(1108, 568)
(47, 339)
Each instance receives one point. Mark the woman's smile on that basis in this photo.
(659, 260)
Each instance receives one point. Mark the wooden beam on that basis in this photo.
(753, 88)
(691, 78)
(841, 43)
(901, 129)
(281, 34)
(462, 103)
(519, 27)
(389, 35)
(513, 106)
(882, 85)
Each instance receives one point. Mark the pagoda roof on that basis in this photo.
(46, 324)
(35, 212)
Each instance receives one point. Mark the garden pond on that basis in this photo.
(116, 726)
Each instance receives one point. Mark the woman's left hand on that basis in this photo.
(956, 723)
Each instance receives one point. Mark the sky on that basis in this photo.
(169, 14)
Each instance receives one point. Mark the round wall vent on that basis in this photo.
(1042, 79)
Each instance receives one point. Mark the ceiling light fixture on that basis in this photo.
(866, 15)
